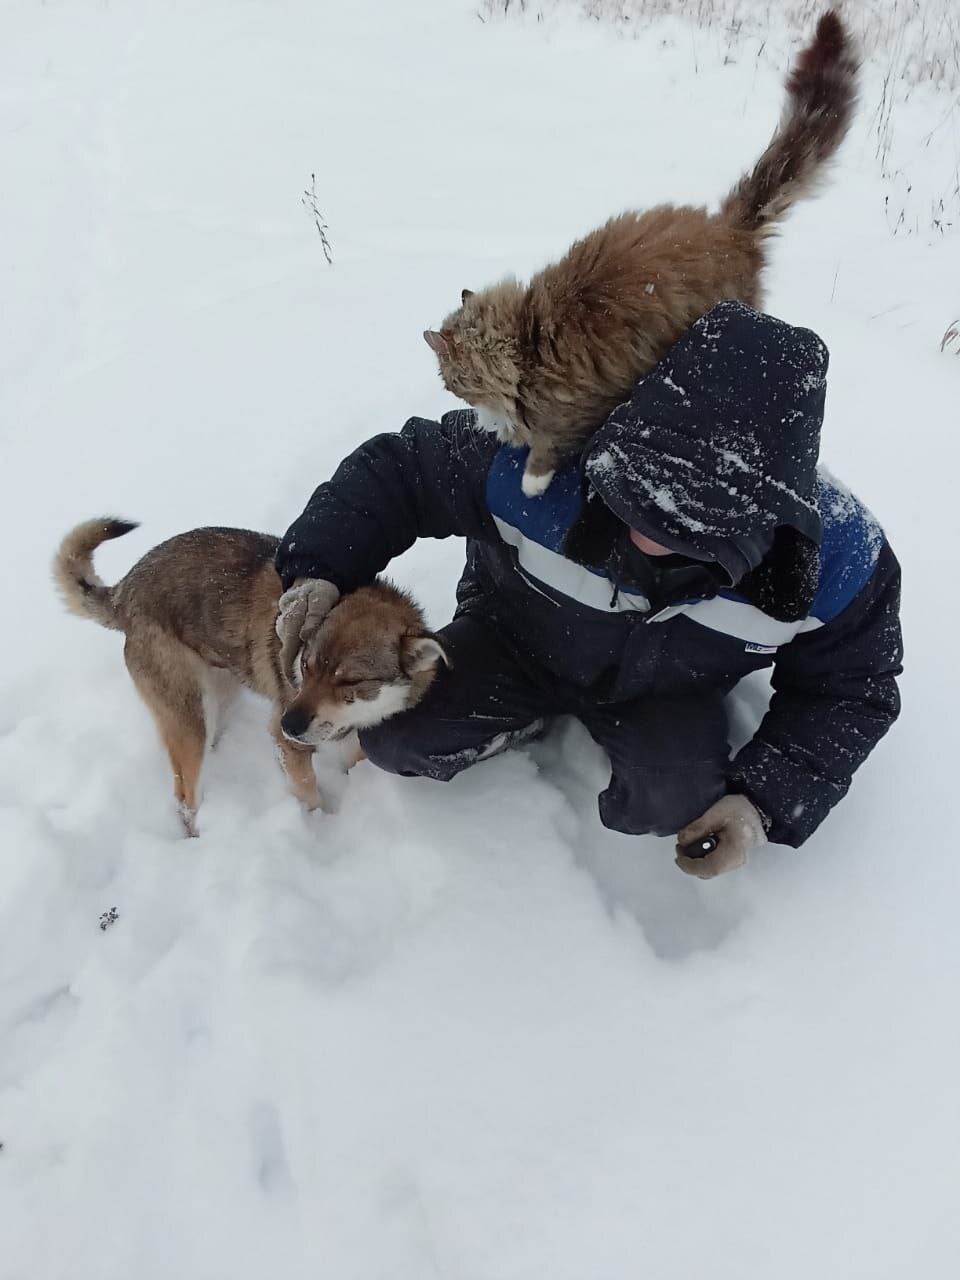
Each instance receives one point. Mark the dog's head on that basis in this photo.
(371, 658)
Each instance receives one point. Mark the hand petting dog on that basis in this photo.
(301, 610)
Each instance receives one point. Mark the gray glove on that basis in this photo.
(739, 828)
(301, 611)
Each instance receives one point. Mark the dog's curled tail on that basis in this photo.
(821, 97)
(82, 591)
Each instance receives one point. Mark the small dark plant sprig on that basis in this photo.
(309, 201)
(108, 918)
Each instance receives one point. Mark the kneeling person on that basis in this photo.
(692, 542)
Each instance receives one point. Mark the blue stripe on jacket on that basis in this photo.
(849, 549)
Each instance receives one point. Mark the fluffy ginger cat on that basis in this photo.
(544, 364)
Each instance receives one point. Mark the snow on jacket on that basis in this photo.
(717, 445)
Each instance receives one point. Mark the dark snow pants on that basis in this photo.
(667, 755)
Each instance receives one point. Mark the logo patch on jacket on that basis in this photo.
(760, 648)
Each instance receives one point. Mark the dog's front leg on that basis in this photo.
(297, 764)
(351, 752)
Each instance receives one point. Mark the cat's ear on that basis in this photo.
(436, 342)
(464, 295)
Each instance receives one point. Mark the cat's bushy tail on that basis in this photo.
(821, 96)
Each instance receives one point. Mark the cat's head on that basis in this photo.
(478, 349)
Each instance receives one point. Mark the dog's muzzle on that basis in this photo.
(294, 724)
(300, 727)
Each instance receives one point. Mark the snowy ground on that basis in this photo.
(453, 1032)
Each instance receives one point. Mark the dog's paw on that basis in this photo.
(329, 803)
(188, 820)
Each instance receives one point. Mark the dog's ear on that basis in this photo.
(437, 342)
(464, 295)
(420, 653)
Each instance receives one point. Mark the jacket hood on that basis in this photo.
(718, 444)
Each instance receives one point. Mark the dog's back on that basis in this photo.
(214, 590)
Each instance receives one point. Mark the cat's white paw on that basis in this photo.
(533, 486)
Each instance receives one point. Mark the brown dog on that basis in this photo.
(199, 614)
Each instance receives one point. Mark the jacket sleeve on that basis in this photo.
(835, 696)
(426, 481)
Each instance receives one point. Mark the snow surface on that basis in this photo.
(457, 1031)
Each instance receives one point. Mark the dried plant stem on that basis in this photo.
(309, 201)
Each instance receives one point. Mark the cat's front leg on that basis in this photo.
(539, 471)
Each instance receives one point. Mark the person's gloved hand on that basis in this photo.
(738, 826)
(301, 611)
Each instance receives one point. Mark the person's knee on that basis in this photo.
(392, 748)
(648, 802)
(401, 747)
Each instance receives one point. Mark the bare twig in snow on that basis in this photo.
(309, 201)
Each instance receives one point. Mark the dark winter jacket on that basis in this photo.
(713, 455)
